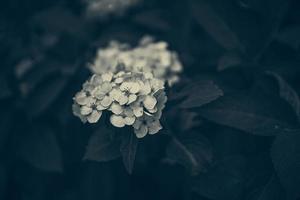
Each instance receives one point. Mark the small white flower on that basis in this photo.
(134, 99)
(146, 125)
(150, 57)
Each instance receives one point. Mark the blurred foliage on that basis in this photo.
(231, 126)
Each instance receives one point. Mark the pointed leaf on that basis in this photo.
(41, 150)
(215, 25)
(200, 93)
(102, 146)
(223, 181)
(287, 93)
(45, 95)
(290, 36)
(194, 152)
(248, 113)
(271, 191)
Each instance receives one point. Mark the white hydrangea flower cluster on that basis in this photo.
(133, 99)
(102, 8)
(148, 56)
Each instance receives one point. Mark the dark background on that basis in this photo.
(230, 126)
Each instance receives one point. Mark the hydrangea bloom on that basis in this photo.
(133, 98)
(148, 56)
(103, 8)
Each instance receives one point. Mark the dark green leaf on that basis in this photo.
(271, 191)
(247, 113)
(41, 149)
(290, 36)
(45, 95)
(215, 25)
(224, 181)
(200, 93)
(228, 60)
(285, 154)
(193, 151)
(128, 150)
(287, 93)
(102, 146)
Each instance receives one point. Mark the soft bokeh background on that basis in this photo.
(242, 151)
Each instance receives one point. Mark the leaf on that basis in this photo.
(285, 153)
(271, 191)
(200, 93)
(290, 36)
(41, 149)
(55, 20)
(247, 26)
(246, 112)
(102, 146)
(287, 93)
(128, 150)
(45, 95)
(215, 26)
(223, 181)
(193, 151)
(228, 60)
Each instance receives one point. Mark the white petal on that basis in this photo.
(131, 98)
(76, 110)
(137, 124)
(84, 110)
(94, 116)
(119, 80)
(100, 107)
(119, 74)
(145, 88)
(90, 101)
(106, 101)
(107, 77)
(123, 99)
(154, 127)
(138, 111)
(141, 132)
(156, 84)
(129, 120)
(115, 94)
(96, 79)
(98, 93)
(117, 121)
(81, 98)
(124, 86)
(128, 112)
(116, 108)
(148, 75)
(106, 87)
(134, 88)
(149, 102)
(88, 87)
(154, 110)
